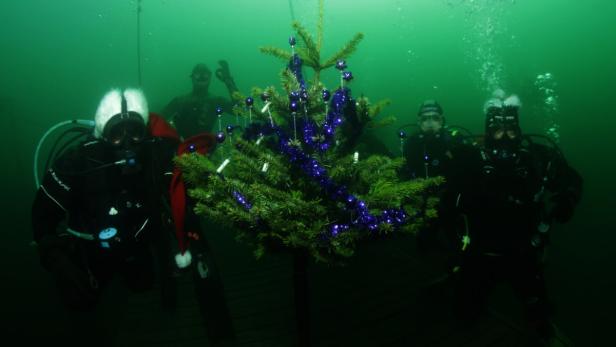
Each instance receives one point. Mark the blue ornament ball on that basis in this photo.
(326, 95)
(341, 65)
(335, 229)
(293, 106)
(402, 134)
(249, 101)
(218, 110)
(347, 76)
(230, 129)
(220, 137)
(351, 201)
(292, 40)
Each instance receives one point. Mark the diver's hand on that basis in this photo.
(223, 73)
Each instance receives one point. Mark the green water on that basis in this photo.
(59, 57)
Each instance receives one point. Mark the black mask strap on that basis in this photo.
(124, 106)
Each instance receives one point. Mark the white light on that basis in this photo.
(266, 107)
(223, 165)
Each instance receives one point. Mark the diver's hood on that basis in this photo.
(111, 105)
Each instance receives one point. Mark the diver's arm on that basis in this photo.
(565, 185)
(55, 249)
(567, 196)
(224, 75)
(54, 202)
(53, 198)
(231, 87)
(47, 213)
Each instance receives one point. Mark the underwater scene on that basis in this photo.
(308, 172)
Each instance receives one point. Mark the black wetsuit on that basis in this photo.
(192, 115)
(429, 156)
(93, 197)
(503, 204)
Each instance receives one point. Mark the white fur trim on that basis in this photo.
(498, 94)
(183, 260)
(136, 102)
(513, 100)
(111, 104)
(492, 103)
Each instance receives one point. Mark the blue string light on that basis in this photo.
(321, 139)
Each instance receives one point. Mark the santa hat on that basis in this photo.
(111, 105)
(499, 100)
(201, 144)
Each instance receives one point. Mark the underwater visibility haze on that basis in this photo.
(59, 57)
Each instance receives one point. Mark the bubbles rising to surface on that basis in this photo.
(546, 87)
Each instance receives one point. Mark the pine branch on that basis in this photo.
(311, 51)
(289, 81)
(238, 97)
(381, 123)
(345, 52)
(276, 52)
(308, 59)
(195, 168)
(376, 109)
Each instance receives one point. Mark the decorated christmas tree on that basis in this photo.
(290, 177)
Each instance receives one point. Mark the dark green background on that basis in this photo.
(59, 57)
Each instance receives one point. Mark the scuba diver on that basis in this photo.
(195, 112)
(429, 152)
(107, 208)
(508, 194)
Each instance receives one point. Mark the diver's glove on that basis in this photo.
(224, 75)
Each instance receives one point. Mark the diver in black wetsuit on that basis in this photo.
(508, 194)
(104, 210)
(195, 112)
(431, 152)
